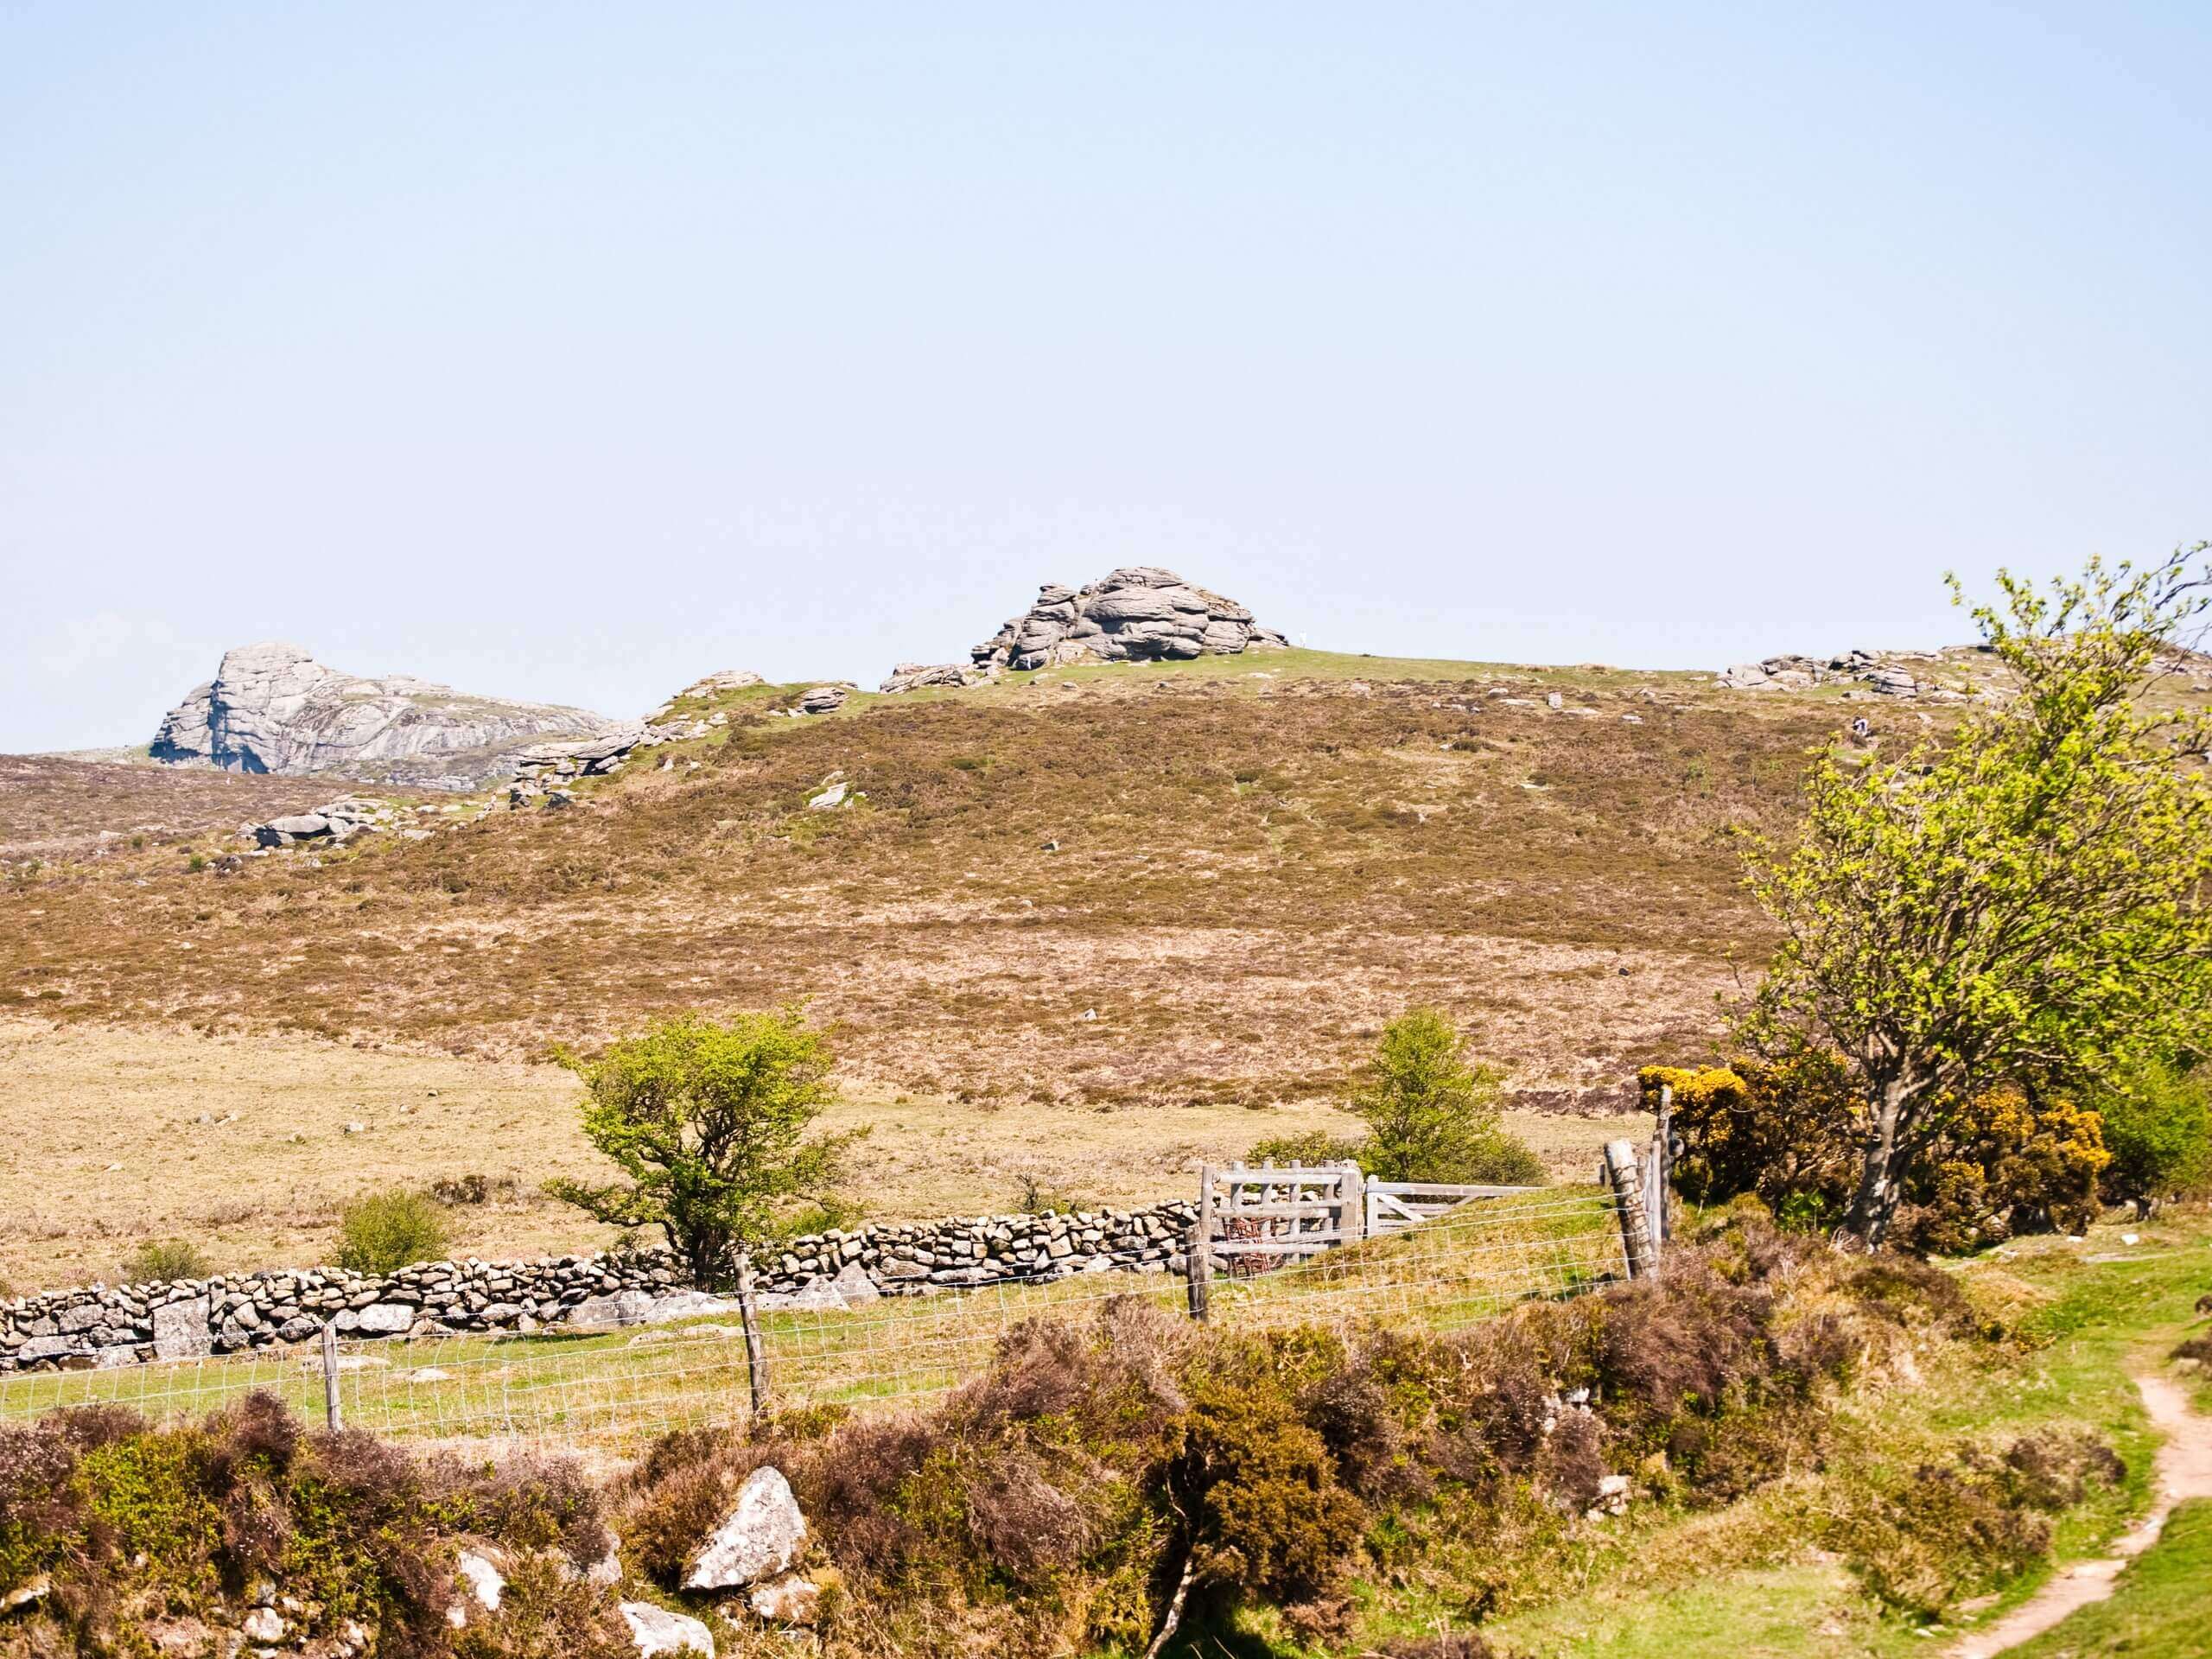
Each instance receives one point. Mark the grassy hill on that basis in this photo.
(1112, 886)
(1082, 928)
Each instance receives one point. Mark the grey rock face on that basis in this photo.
(1140, 613)
(272, 708)
(180, 1330)
(762, 1537)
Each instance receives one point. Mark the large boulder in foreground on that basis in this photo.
(272, 708)
(761, 1538)
(1139, 613)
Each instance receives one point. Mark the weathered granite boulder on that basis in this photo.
(1140, 613)
(272, 708)
(180, 1330)
(762, 1537)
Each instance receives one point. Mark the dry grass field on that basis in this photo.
(116, 1136)
(1085, 927)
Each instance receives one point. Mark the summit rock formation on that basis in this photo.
(272, 708)
(1140, 613)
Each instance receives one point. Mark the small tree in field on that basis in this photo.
(1432, 1114)
(2027, 902)
(707, 1123)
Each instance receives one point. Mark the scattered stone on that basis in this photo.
(485, 1582)
(791, 1600)
(830, 799)
(628, 1308)
(822, 699)
(854, 1287)
(264, 1625)
(655, 1630)
(763, 1535)
(30, 1590)
(685, 1305)
(180, 1330)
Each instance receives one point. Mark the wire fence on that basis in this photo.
(614, 1392)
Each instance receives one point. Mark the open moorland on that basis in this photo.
(1074, 933)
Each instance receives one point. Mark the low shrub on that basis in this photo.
(1057, 1501)
(1312, 1148)
(1967, 1524)
(132, 1526)
(158, 1260)
(390, 1231)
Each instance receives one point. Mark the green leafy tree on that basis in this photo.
(2026, 900)
(2158, 1126)
(1431, 1112)
(708, 1124)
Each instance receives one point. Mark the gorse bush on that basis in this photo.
(390, 1231)
(2007, 1160)
(157, 1260)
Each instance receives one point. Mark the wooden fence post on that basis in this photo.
(331, 1413)
(1198, 1255)
(756, 1353)
(1626, 1182)
(1657, 1212)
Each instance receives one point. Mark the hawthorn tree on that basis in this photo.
(1432, 1112)
(707, 1123)
(2026, 900)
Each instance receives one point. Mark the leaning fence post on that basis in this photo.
(1626, 1182)
(756, 1353)
(1198, 1255)
(331, 1413)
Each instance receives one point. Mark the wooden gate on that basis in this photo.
(1260, 1218)
(1394, 1205)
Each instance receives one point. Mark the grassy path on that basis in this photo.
(1742, 1583)
(2184, 1472)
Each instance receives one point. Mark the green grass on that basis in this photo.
(2160, 1609)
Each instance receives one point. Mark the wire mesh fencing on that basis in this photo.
(614, 1392)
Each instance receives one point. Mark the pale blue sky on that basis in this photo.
(573, 351)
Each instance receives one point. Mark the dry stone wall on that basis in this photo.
(102, 1326)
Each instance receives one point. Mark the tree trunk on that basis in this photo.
(1876, 1201)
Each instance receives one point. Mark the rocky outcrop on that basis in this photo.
(100, 1325)
(273, 709)
(335, 822)
(1932, 676)
(912, 676)
(1139, 613)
